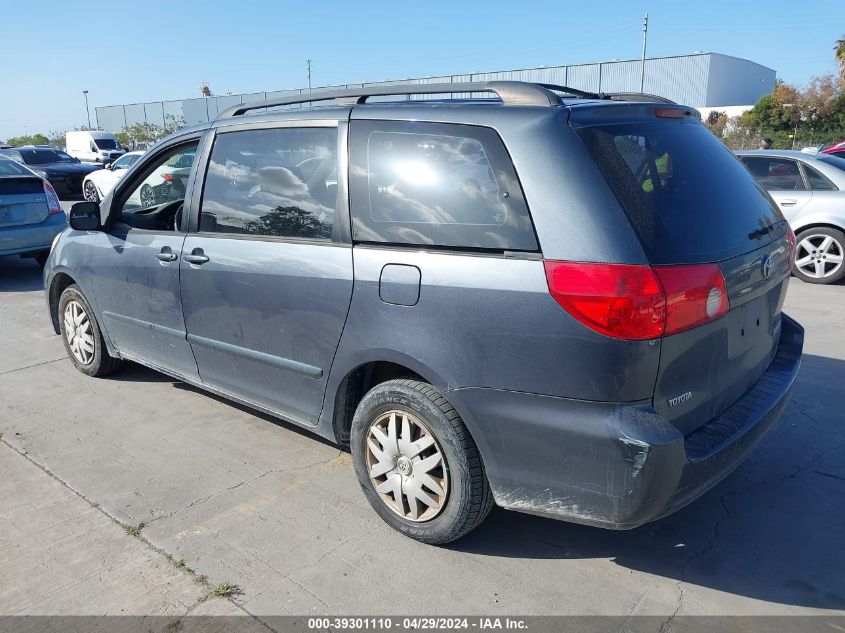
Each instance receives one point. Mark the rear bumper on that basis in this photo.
(617, 466)
(30, 238)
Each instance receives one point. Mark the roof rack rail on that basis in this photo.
(637, 96)
(511, 93)
(584, 94)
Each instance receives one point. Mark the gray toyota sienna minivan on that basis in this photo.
(563, 303)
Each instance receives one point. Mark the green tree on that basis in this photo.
(839, 55)
(28, 139)
(717, 121)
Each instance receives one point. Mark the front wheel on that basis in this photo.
(81, 334)
(89, 191)
(819, 255)
(417, 464)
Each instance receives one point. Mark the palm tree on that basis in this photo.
(839, 53)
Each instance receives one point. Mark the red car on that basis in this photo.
(837, 149)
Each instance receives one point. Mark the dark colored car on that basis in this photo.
(63, 171)
(562, 303)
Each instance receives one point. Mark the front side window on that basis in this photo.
(775, 174)
(436, 185)
(278, 182)
(166, 180)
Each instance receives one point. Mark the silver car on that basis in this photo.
(810, 191)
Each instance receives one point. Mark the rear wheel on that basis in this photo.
(89, 190)
(417, 464)
(819, 256)
(82, 336)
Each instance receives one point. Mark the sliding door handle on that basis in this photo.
(197, 257)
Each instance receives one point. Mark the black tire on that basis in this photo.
(468, 500)
(837, 247)
(101, 363)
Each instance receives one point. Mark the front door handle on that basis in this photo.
(196, 257)
(167, 255)
(789, 202)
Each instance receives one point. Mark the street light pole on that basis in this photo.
(308, 63)
(87, 111)
(645, 41)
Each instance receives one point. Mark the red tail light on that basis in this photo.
(52, 199)
(793, 247)
(638, 302)
(168, 177)
(694, 295)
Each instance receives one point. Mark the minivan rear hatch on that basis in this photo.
(691, 202)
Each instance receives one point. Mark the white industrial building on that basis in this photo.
(705, 81)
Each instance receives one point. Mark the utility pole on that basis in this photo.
(87, 111)
(645, 41)
(308, 63)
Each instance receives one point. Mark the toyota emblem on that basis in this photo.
(767, 266)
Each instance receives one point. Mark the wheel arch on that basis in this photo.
(820, 224)
(347, 386)
(60, 281)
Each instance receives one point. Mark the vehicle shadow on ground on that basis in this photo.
(773, 530)
(18, 274)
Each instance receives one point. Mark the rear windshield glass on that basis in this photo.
(12, 168)
(106, 143)
(835, 161)
(44, 156)
(689, 199)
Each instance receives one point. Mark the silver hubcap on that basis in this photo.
(78, 332)
(819, 256)
(406, 466)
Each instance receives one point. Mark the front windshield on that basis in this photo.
(44, 156)
(106, 143)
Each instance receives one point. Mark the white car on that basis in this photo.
(98, 184)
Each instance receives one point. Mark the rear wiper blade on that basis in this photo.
(763, 232)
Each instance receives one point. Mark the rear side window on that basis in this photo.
(433, 184)
(279, 182)
(817, 181)
(775, 174)
(688, 197)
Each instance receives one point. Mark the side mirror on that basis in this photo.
(85, 216)
(108, 166)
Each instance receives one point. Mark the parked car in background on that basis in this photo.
(810, 191)
(64, 172)
(837, 149)
(30, 213)
(93, 146)
(99, 183)
(554, 301)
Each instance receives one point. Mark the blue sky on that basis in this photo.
(124, 51)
